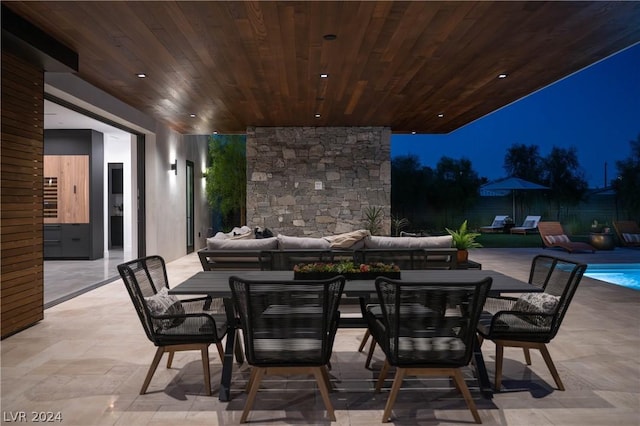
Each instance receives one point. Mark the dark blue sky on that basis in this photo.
(596, 110)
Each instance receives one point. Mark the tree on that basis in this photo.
(409, 186)
(524, 162)
(563, 175)
(456, 185)
(628, 181)
(227, 177)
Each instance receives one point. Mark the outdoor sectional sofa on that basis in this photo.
(283, 252)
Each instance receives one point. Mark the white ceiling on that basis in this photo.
(58, 117)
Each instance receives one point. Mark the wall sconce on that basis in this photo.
(204, 175)
(174, 167)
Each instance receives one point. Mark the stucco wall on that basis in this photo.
(316, 181)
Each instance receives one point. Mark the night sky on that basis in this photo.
(596, 110)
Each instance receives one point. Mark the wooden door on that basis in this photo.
(66, 188)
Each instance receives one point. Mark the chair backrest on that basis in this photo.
(430, 324)
(531, 221)
(144, 277)
(557, 277)
(498, 221)
(290, 323)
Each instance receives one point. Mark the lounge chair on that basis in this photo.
(530, 224)
(628, 232)
(496, 226)
(553, 236)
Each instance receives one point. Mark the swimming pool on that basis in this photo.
(623, 274)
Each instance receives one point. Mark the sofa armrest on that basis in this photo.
(229, 259)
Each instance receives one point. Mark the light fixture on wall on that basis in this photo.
(174, 167)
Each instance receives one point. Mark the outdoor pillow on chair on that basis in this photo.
(631, 238)
(163, 303)
(557, 239)
(537, 303)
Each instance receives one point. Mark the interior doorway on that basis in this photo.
(116, 205)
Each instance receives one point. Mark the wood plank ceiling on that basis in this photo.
(397, 64)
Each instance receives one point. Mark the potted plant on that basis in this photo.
(463, 240)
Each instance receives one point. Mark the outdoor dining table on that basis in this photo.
(216, 284)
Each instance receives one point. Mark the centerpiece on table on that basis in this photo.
(350, 270)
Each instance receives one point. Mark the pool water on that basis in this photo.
(623, 274)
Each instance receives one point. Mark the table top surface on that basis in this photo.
(216, 283)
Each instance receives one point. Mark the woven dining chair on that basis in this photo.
(288, 328)
(427, 329)
(170, 323)
(533, 319)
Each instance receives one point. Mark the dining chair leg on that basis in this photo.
(152, 369)
(464, 390)
(325, 373)
(323, 386)
(255, 384)
(499, 355)
(252, 377)
(220, 350)
(372, 348)
(364, 340)
(551, 366)
(205, 366)
(382, 376)
(527, 356)
(395, 388)
(170, 359)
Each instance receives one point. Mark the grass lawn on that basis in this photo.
(497, 240)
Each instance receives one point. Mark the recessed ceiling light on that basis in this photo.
(502, 75)
(141, 75)
(329, 37)
(440, 115)
(215, 132)
(317, 115)
(324, 75)
(192, 115)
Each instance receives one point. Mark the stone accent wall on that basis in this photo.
(286, 164)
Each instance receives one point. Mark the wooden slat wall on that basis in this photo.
(21, 222)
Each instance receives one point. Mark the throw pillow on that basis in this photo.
(557, 239)
(543, 303)
(529, 224)
(163, 303)
(347, 239)
(631, 238)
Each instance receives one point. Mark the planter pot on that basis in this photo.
(463, 256)
(348, 276)
(602, 241)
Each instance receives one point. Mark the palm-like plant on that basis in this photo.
(373, 219)
(463, 239)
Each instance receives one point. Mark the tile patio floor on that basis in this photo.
(88, 357)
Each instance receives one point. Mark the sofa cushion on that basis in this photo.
(285, 242)
(348, 239)
(252, 244)
(376, 242)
